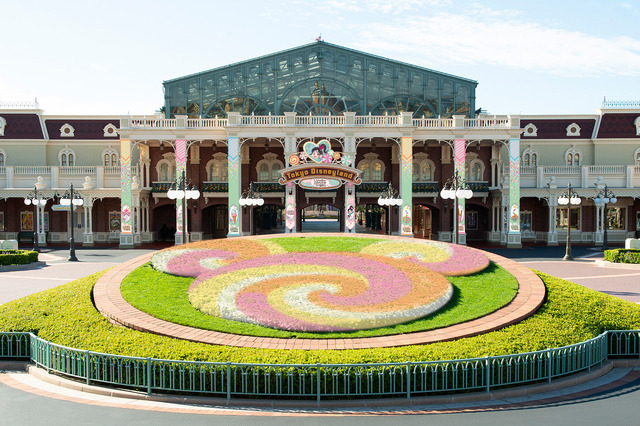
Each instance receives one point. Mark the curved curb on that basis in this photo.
(24, 267)
(109, 301)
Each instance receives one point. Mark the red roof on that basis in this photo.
(22, 126)
(557, 128)
(83, 129)
(618, 126)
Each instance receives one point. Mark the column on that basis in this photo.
(514, 238)
(181, 236)
(41, 234)
(459, 148)
(599, 235)
(126, 234)
(406, 186)
(87, 236)
(350, 189)
(235, 180)
(552, 235)
(290, 209)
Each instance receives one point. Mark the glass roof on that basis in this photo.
(320, 79)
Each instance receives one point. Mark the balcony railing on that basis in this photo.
(607, 170)
(160, 187)
(425, 187)
(32, 170)
(561, 170)
(78, 170)
(376, 187)
(215, 187)
(479, 186)
(266, 187)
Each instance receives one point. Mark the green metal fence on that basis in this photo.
(320, 381)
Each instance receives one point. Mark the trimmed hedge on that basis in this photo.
(622, 256)
(17, 257)
(66, 315)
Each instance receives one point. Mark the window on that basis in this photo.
(166, 168)
(616, 218)
(530, 130)
(423, 168)
(217, 168)
(636, 157)
(573, 157)
(110, 131)
(267, 168)
(636, 122)
(3, 157)
(67, 157)
(67, 131)
(530, 157)
(164, 172)
(573, 130)
(372, 168)
(110, 157)
(562, 218)
(3, 124)
(525, 221)
(473, 168)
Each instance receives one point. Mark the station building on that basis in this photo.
(253, 129)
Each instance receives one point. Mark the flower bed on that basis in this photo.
(253, 281)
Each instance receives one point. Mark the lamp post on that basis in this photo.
(72, 200)
(36, 200)
(603, 198)
(180, 191)
(453, 189)
(569, 198)
(388, 198)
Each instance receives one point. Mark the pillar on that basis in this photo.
(514, 239)
(290, 209)
(235, 180)
(181, 236)
(459, 148)
(87, 235)
(406, 186)
(126, 231)
(350, 189)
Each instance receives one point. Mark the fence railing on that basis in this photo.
(32, 170)
(78, 170)
(607, 170)
(318, 381)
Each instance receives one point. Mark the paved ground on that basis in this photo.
(615, 396)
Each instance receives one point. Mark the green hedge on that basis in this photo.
(66, 315)
(622, 256)
(17, 257)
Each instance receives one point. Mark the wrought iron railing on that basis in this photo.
(215, 187)
(159, 187)
(376, 187)
(320, 381)
(478, 186)
(267, 187)
(425, 187)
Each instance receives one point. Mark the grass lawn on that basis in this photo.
(66, 315)
(165, 296)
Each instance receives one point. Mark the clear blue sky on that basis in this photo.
(529, 57)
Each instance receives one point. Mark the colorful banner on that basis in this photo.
(181, 167)
(406, 186)
(350, 208)
(514, 186)
(125, 186)
(459, 148)
(290, 208)
(309, 171)
(235, 219)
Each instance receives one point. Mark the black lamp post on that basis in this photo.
(604, 197)
(36, 200)
(72, 199)
(180, 190)
(568, 199)
(388, 198)
(455, 188)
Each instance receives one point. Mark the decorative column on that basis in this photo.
(459, 148)
(514, 238)
(126, 231)
(406, 186)
(599, 235)
(290, 148)
(234, 191)
(181, 166)
(87, 236)
(350, 188)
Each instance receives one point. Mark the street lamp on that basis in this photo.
(251, 198)
(605, 197)
(388, 198)
(72, 200)
(36, 200)
(453, 189)
(569, 198)
(180, 191)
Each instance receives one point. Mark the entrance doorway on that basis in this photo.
(422, 221)
(320, 218)
(268, 219)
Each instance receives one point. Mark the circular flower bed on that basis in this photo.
(256, 282)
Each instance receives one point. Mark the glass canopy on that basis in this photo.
(320, 79)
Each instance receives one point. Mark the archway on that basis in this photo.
(163, 222)
(214, 221)
(476, 222)
(267, 219)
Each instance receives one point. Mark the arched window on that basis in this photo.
(530, 157)
(372, 168)
(67, 157)
(110, 157)
(217, 168)
(636, 157)
(473, 168)
(573, 157)
(423, 167)
(166, 168)
(267, 168)
(3, 124)
(3, 157)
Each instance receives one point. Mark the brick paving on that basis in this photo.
(109, 301)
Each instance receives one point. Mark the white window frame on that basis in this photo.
(66, 154)
(67, 131)
(573, 151)
(222, 161)
(370, 159)
(471, 160)
(110, 131)
(527, 157)
(419, 160)
(3, 124)
(170, 160)
(636, 157)
(3, 158)
(110, 152)
(573, 130)
(530, 130)
(269, 159)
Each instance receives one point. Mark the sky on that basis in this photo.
(111, 57)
